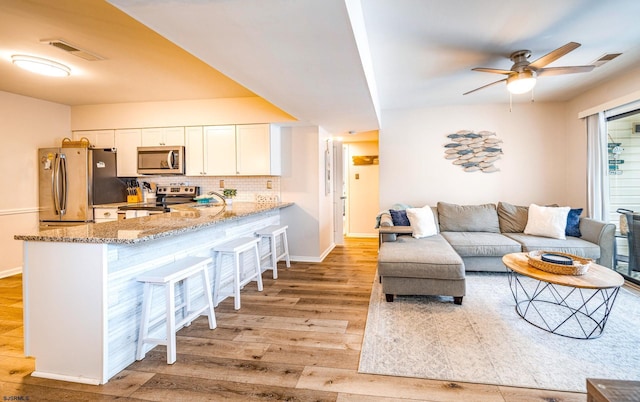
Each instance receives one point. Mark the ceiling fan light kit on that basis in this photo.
(521, 82)
(40, 66)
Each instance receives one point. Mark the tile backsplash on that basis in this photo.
(250, 188)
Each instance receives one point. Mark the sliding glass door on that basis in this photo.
(623, 134)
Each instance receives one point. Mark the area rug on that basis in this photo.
(486, 341)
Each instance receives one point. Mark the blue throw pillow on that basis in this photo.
(399, 217)
(573, 223)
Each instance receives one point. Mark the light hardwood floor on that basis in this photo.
(298, 340)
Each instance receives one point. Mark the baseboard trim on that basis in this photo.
(60, 377)
(365, 235)
(305, 258)
(10, 272)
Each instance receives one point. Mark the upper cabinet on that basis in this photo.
(127, 143)
(258, 150)
(211, 151)
(161, 136)
(97, 138)
(243, 150)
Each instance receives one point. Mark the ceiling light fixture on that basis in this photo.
(39, 65)
(521, 82)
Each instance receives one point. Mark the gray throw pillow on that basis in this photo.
(468, 218)
(513, 218)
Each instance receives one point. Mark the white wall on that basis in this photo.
(363, 188)
(413, 169)
(26, 124)
(310, 220)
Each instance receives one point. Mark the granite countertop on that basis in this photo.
(183, 218)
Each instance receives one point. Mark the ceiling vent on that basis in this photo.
(71, 49)
(605, 59)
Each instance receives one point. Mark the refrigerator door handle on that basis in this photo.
(55, 179)
(63, 170)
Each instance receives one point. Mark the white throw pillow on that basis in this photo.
(547, 221)
(422, 222)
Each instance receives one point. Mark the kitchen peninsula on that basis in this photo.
(82, 302)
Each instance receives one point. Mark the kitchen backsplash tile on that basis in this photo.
(250, 188)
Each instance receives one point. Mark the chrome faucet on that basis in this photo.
(224, 201)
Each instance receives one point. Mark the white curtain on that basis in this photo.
(597, 168)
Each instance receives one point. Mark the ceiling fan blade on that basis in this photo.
(547, 72)
(554, 55)
(493, 70)
(484, 86)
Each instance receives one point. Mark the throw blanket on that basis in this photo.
(386, 211)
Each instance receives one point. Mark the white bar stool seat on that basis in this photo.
(167, 276)
(271, 233)
(239, 277)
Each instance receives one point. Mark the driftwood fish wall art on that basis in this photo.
(474, 152)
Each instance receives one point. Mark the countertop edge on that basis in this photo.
(170, 232)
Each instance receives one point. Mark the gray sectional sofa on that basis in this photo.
(473, 238)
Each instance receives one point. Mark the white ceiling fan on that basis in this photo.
(522, 76)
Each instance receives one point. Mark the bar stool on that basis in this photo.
(167, 276)
(237, 277)
(271, 233)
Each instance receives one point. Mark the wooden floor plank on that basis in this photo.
(347, 381)
(298, 340)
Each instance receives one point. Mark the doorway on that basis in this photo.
(356, 191)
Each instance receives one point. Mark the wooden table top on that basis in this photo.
(597, 277)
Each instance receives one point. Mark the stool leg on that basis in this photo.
(171, 322)
(144, 321)
(274, 256)
(186, 294)
(285, 245)
(236, 282)
(217, 273)
(208, 300)
(256, 254)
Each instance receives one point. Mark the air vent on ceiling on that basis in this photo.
(71, 49)
(605, 59)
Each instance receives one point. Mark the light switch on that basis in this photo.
(269, 184)
(357, 176)
(221, 183)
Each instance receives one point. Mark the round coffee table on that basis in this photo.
(575, 306)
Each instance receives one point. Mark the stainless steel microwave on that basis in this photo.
(164, 160)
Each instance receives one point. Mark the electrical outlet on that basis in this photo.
(357, 176)
(221, 183)
(269, 184)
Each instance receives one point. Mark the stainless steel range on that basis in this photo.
(166, 196)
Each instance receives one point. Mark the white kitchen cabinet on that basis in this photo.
(258, 150)
(231, 150)
(126, 144)
(97, 138)
(220, 150)
(161, 136)
(211, 151)
(105, 214)
(194, 151)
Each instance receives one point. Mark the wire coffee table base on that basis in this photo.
(579, 313)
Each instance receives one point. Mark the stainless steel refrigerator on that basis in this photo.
(73, 180)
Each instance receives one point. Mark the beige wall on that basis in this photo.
(26, 124)
(310, 220)
(610, 94)
(176, 113)
(413, 169)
